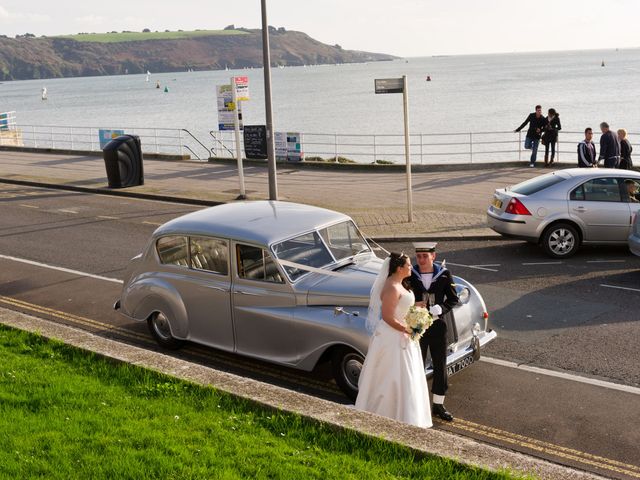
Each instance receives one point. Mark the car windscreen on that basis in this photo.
(537, 184)
(321, 248)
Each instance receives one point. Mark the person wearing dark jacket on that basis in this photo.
(625, 150)
(609, 147)
(587, 151)
(433, 284)
(550, 136)
(537, 123)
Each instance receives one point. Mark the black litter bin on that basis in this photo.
(123, 161)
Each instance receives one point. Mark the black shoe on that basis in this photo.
(440, 411)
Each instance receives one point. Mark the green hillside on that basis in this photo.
(115, 37)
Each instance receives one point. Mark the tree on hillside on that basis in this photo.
(230, 27)
(146, 30)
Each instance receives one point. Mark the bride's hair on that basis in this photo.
(397, 260)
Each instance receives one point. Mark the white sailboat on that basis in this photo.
(148, 74)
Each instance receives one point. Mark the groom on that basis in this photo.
(433, 284)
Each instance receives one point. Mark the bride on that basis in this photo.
(392, 382)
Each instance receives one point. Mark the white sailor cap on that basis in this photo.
(425, 246)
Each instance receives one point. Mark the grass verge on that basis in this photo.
(66, 413)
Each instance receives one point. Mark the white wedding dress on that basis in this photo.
(392, 382)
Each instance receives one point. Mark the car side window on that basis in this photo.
(172, 250)
(210, 254)
(598, 190)
(255, 263)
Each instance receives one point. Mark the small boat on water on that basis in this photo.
(148, 73)
(44, 93)
(602, 63)
(428, 78)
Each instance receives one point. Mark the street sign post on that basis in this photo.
(399, 85)
(243, 83)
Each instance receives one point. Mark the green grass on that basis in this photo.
(66, 414)
(138, 36)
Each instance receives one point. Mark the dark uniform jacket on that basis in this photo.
(625, 154)
(536, 126)
(610, 149)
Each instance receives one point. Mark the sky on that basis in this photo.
(407, 28)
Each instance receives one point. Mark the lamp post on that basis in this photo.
(271, 148)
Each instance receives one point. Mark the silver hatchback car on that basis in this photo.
(567, 208)
(279, 281)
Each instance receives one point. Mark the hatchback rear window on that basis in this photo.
(537, 184)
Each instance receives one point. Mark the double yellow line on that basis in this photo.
(200, 352)
(545, 449)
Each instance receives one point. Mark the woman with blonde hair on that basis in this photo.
(625, 150)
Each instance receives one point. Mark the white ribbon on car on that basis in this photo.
(306, 268)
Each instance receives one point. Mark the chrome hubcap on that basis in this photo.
(561, 241)
(351, 368)
(161, 326)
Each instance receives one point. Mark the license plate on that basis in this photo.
(460, 364)
(497, 203)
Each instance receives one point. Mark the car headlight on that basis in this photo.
(464, 294)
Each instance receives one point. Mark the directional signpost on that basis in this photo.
(399, 85)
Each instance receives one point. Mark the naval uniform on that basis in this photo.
(439, 285)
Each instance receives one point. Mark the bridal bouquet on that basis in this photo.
(418, 319)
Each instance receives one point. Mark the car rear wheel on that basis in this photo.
(560, 240)
(347, 365)
(160, 328)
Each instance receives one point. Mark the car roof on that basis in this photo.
(598, 172)
(263, 222)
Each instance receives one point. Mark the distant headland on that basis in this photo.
(89, 54)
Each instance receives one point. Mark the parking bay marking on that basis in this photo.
(60, 269)
(620, 288)
(460, 424)
(542, 263)
(476, 267)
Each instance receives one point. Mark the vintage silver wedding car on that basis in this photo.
(283, 282)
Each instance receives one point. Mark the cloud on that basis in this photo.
(3, 13)
(31, 17)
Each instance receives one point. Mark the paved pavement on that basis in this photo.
(447, 204)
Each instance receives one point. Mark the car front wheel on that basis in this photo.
(347, 365)
(560, 240)
(160, 328)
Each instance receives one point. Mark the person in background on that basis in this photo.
(536, 122)
(550, 136)
(632, 190)
(609, 147)
(587, 151)
(625, 150)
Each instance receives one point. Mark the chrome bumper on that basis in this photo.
(477, 343)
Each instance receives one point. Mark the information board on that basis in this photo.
(255, 142)
(226, 108)
(242, 88)
(289, 146)
(107, 135)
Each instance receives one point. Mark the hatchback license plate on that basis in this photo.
(460, 364)
(497, 203)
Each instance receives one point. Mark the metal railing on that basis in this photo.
(426, 148)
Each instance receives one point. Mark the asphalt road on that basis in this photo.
(568, 317)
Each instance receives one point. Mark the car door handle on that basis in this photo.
(579, 209)
(242, 292)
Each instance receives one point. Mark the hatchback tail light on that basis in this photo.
(516, 207)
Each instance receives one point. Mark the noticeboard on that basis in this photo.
(255, 142)
(107, 135)
(389, 85)
(226, 108)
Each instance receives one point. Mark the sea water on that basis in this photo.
(467, 93)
